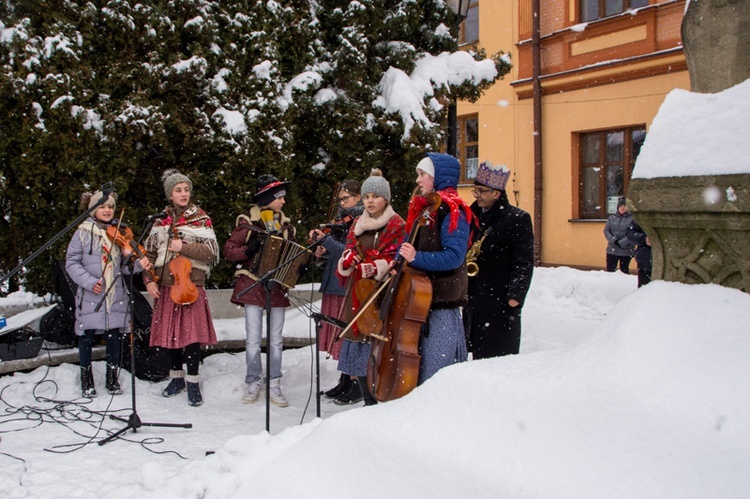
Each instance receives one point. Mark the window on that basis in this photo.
(607, 159)
(469, 29)
(597, 9)
(467, 147)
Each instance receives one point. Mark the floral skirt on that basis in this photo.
(332, 306)
(177, 326)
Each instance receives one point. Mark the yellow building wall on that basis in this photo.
(566, 240)
(506, 137)
(498, 107)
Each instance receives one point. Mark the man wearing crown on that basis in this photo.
(505, 264)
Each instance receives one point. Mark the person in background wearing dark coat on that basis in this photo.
(619, 248)
(331, 286)
(505, 264)
(642, 252)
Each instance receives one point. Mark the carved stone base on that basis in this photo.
(699, 227)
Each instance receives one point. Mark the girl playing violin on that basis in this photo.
(370, 247)
(440, 250)
(265, 216)
(333, 288)
(94, 264)
(181, 328)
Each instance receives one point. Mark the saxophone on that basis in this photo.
(472, 269)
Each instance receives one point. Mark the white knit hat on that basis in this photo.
(427, 166)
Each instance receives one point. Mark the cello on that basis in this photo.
(393, 367)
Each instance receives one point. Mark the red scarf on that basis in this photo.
(449, 197)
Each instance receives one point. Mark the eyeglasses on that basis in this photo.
(478, 191)
(344, 199)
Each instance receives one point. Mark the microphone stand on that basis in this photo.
(134, 421)
(265, 281)
(106, 189)
(318, 318)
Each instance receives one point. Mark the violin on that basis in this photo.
(184, 291)
(122, 236)
(393, 366)
(368, 319)
(340, 223)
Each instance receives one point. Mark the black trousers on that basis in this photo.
(644, 277)
(192, 357)
(613, 260)
(498, 336)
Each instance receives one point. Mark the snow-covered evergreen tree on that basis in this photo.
(311, 91)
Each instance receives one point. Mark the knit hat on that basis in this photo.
(171, 178)
(376, 184)
(495, 177)
(622, 202)
(268, 188)
(95, 197)
(427, 166)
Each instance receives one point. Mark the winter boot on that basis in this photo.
(194, 390)
(351, 396)
(87, 382)
(176, 385)
(252, 392)
(112, 383)
(366, 394)
(277, 398)
(337, 390)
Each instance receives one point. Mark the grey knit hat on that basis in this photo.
(376, 184)
(171, 178)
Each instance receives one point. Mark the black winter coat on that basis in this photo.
(506, 264)
(642, 250)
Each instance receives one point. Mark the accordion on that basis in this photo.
(274, 252)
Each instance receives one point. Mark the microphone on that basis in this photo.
(107, 189)
(158, 216)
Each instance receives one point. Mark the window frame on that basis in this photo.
(630, 153)
(602, 9)
(462, 28)
(463, 144)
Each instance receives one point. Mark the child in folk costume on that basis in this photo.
(440, 250)
(94, 264)
(181, 328)
(331, 286)
(264, 217)
(377, 233)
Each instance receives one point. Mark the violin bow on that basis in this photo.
(333, 201)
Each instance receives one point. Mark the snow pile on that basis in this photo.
(698, 134)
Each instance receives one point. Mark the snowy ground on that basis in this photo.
(617, 393)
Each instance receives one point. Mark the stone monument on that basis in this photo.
(697, 213)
